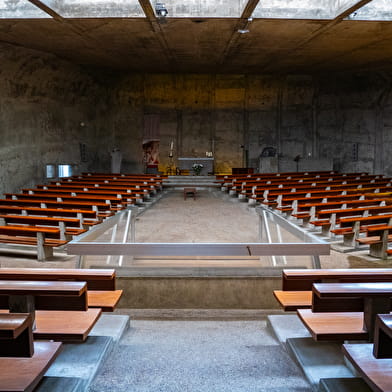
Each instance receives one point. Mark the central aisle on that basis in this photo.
(199, 356)
(212, 217)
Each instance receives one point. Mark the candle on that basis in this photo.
(171, 145)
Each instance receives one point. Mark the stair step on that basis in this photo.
(354, 384)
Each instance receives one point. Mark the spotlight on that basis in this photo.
(161, 10)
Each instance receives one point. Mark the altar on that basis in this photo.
(187, 163)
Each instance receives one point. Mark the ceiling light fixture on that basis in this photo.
(243, 31)
(161, 10)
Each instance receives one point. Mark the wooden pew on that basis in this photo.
(102, 209)
(377, 237)
(101, 283)
(69, 227)
(126, 197)
(376, 372)
(297, 284)
(16, 335)
(86, 216)
(45, 238)
(337, 322)
(127, 189)
(350, 228)
(112, 202)
(24, 374)
(28, 296)
(373, 362)
(327, 219)
(309, 210)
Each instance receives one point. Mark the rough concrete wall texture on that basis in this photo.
(49, 106)
(46, 111)
(344, 119)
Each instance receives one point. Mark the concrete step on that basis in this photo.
(319, 360)
(286, 326)
(66, 384)
(81, 361)
(354, 384)
(112, 325)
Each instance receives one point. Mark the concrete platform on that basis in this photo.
(66, 384)
(319, 360)
(344, 385)
(77, 364)
(286, 326)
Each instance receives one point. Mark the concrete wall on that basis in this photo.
(198, 293)
(47, 108)
(341, 121)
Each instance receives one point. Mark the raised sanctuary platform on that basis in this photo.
(190, 181)
(186, 163)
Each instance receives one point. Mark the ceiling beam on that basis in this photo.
(57, 17)
(243, 24)
(342, 13)
(91, 42)
(156, 27)
(47, 10)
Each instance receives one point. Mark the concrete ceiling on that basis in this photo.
(201, 45)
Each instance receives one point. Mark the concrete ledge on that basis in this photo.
(287, 326)
(198, 292)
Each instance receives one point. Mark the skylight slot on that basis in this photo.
(375, 10)
(20, 9)
(204, 8)
(96, 8)
(295, 9)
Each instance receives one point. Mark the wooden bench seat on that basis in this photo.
(68, 226)
(293, 300)
(351, 228)
(334, 326)
(75, 192)
(377, 238)
(105, 300)
(101, 290)
(16, 335)
(111, 201)
(64, 325)
(96, 279)
(45, 238)
(101, 208)
(376, 372)
(331, 301)
(53, 324)
(24, 374)
(297, 284)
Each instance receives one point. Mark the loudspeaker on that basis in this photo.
(83, 152)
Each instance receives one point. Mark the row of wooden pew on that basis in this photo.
(354, 206)
(42, 308)
(48, 216)
(346, 305)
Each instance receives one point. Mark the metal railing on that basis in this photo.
(309, 244)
